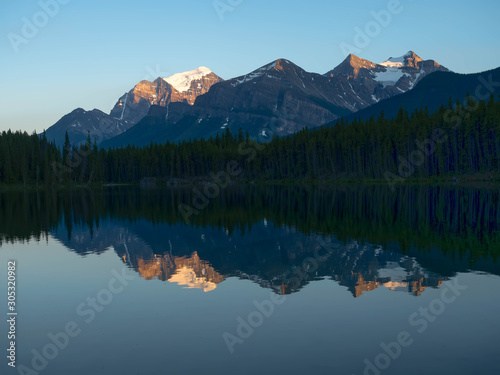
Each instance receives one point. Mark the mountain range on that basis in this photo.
(278, 98)
(132, 106)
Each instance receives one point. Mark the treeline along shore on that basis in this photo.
(457, 139)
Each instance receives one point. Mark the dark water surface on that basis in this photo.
(274, 280)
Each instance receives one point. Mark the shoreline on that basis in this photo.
(477, 180)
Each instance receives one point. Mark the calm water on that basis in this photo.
(260, 281)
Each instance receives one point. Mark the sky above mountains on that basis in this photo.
(58, 55)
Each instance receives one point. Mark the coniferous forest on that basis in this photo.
(455, 140)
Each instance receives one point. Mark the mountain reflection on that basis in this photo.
(191, 272)
(406, 241)
(203, 257)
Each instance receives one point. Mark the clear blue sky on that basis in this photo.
(91, 52)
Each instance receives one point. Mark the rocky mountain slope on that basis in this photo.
(79, 123)
(281, 98)
(434, 91)
(133, 106)
(181, 87)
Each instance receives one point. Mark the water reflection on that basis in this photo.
(406, 241)
(190, 272)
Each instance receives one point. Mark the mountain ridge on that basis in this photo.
(431, 92)
(279, 98)
(130, 108)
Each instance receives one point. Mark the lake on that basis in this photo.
(254, 280)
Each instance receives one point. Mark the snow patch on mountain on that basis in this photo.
(389, 77)
(247, 78)
(255, 74)
(396, 62)
(392, 64)
(182, 81)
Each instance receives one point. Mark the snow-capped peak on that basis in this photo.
(396, 62)
(182, 81)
